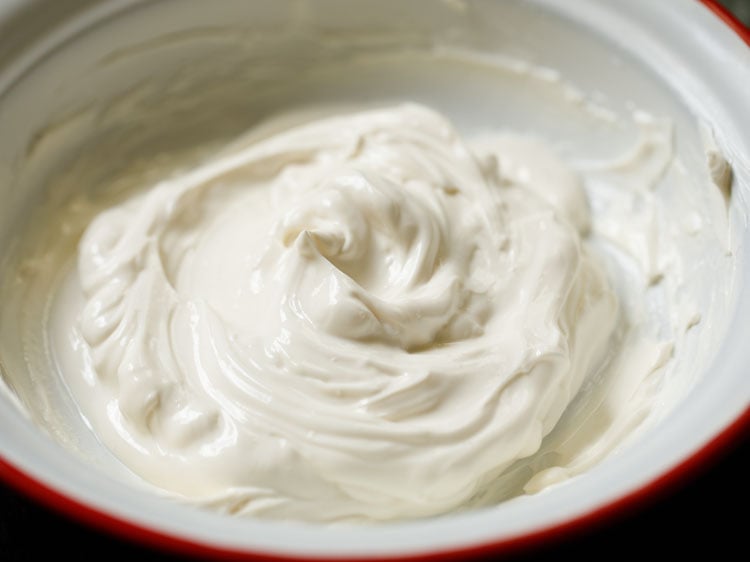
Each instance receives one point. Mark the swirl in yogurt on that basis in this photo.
(355, 318)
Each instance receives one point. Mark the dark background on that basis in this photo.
(707, 513)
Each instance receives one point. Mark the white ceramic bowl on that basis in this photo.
(671, 53)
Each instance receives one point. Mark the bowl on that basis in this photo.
(58, 60)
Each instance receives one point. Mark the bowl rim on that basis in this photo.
(669, 481)
(663, 485)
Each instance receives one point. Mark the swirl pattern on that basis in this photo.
(358, 317)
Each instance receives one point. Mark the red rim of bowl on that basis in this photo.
(729, 19)
(638, 498)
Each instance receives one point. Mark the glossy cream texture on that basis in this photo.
(359, 317)
(364, 317)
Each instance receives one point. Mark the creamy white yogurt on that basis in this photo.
(357, 317)
(366, 316)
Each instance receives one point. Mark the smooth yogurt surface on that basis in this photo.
(358, 313)
(367, 315)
